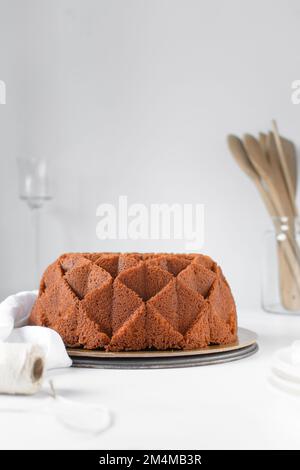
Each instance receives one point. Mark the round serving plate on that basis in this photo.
(245, 346)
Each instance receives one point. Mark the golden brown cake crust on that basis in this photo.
(135, 301)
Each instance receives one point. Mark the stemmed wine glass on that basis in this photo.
(34, 190)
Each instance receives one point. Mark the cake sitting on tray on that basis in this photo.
(123, 302)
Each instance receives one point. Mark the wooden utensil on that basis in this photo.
(278, 176)
(291, 159)
(288, 283)
(263, 142)
(284, 166)
(239, 152)
(250, 166)
(265, 171)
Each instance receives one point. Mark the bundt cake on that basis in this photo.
(136, 301)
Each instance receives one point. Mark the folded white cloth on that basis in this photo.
(21, 373)
(14, 314)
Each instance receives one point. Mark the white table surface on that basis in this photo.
(226, 406)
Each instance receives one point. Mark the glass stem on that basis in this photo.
(35, 213)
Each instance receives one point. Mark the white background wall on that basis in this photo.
(136, 97)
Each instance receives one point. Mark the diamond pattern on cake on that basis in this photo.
(109, 262)
(57, 308)
(72, 260)
(160, 333)
(190, 304)
(166, 303)
(132, 334)
(90, 333)
(198, 334)
(197, 278)
(52, 274)
(77, 279)
(125, 303)
(223, 319)
(97, 304)
(136, 301)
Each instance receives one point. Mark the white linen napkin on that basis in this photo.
(14, 314)
(15, 378)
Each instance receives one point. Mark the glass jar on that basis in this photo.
(281, 267)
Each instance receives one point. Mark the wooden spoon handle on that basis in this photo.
(284, 166)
